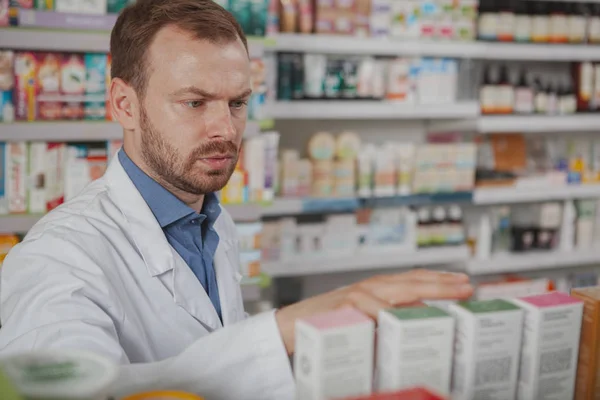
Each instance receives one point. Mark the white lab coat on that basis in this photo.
(98, 274)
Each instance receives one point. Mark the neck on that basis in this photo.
(194, 201)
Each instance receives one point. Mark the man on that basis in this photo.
(142, 266)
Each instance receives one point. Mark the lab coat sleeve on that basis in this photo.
(245, 361)
(48, 302)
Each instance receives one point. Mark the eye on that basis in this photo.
(193, 103)
(237, 104)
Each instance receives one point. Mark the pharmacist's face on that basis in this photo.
(193, 115)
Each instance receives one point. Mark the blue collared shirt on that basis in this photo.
(191, 234)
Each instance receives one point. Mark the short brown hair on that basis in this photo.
(139, 23)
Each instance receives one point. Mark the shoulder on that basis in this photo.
(85, 213)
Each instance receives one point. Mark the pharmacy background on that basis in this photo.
(382, 136)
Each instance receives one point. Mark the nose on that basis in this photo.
(219, 122)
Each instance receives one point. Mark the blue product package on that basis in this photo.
(95, 87)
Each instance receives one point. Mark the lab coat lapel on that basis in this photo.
(191, 296)
(145, 231)
(227, 265)
(162, 261)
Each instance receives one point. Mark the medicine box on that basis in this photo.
(16, 168)
(36, 178)
(414, 348)
(587, 384)
(417, 393)
(334, 355)
(3, 180)
(26, 88)
(486, 352)
(55, 174)
(552, 325)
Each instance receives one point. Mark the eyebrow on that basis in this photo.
(203, 93)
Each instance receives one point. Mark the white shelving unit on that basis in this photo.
(511, 195)
(76, 41)
(330, 44)
(538, 261)
(365, 262)
(70, 131)
(18, 223)
(61, 131)
(54, 40)
(539, 123)
(344, 110)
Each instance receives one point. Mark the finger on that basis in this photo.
(410, 292)
(365, 302)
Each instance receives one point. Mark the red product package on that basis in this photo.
(48, 78)
(409, 394)
(26, 87)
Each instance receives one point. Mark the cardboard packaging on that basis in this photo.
(414, 348)
(37, 178)
(3, 180)
(7, 84)
(48, 78)
(4, 13)
(95, 89)
(550, 346)
(334, 355)
(587, 385)
(16, 167)
(55, 175)
(95, 7)
(26, 87)
(72, 85)
(487, 348)
(409, 394)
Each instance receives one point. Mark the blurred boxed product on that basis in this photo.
(550, 346)
(414, 348)
(399, 80)
(334, 355)
(7, 84)
(341, 167)
(256, 172)
(402, 19)
(587, 384)
(418, 393)
(488, 342)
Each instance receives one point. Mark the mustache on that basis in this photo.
(220, 148)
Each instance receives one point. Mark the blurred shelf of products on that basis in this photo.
(52, 86)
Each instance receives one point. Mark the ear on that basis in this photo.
(124, 104)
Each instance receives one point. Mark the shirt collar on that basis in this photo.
(165, 206)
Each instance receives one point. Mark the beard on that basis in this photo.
(185, 174)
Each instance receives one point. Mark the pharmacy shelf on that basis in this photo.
(511, 195)
(54, 40)
(70, 131)
(297, 206)
(21, 223)
(61, 131)
(365, 262)
(539, 123)
(359, 109)
(329, 44)
(244, 212)
(536, 261)
(18, 223)
(332, 44)
(78, 40)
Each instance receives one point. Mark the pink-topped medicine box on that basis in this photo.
(550, 345)
(334, 355)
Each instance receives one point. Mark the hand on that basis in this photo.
(375, 294)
